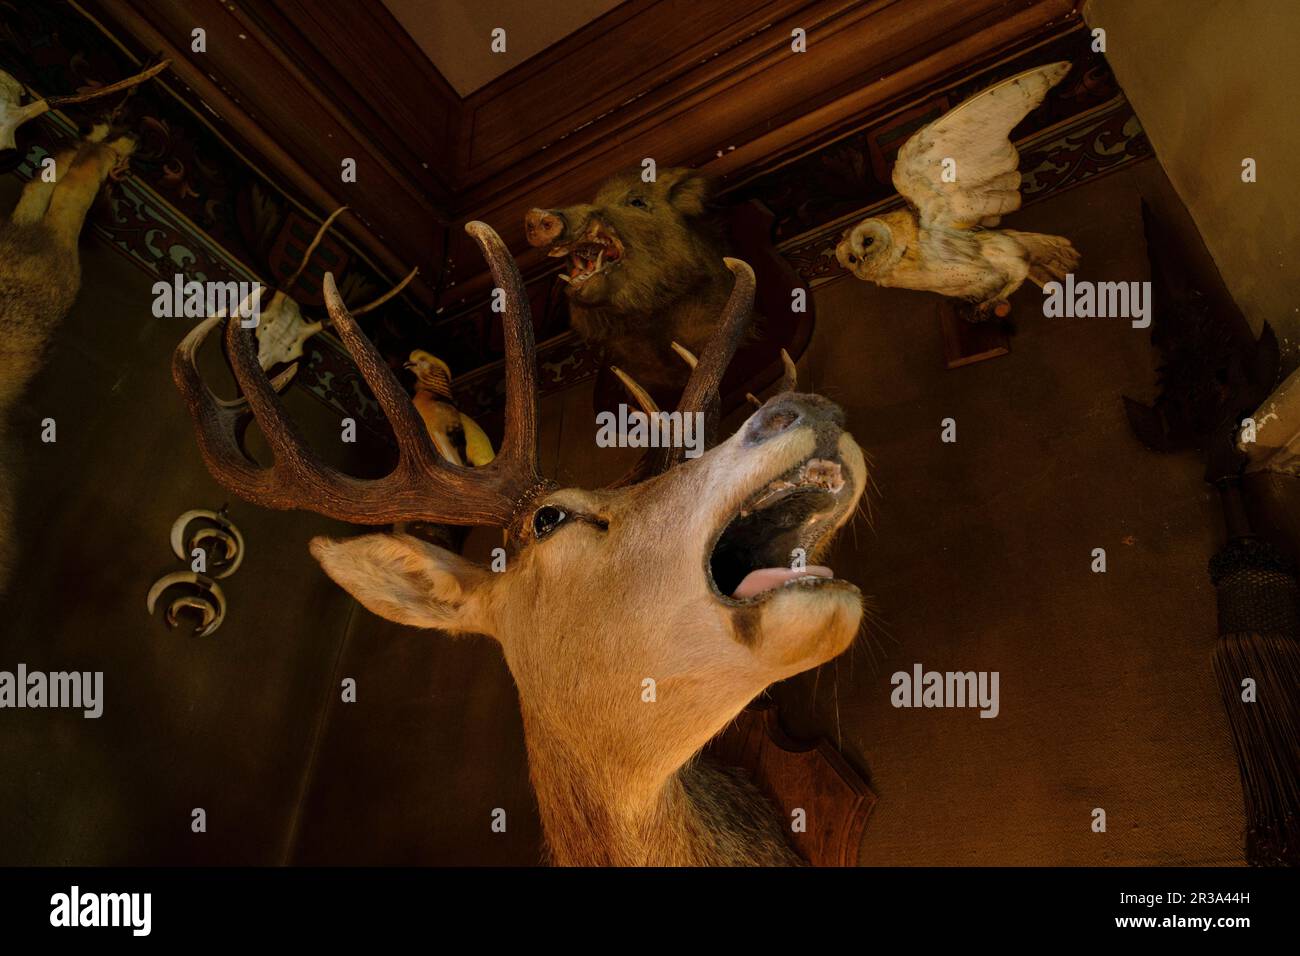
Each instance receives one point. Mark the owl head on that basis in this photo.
(868, 249)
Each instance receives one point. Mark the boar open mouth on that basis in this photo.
(753, 553)
(594, 254)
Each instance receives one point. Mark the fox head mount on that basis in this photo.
(636, 619)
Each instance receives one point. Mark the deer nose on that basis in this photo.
(790, 410)
(542, 227)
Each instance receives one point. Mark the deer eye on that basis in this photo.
(637, 201)
(546, 519)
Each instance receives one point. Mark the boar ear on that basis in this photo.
(688, 191)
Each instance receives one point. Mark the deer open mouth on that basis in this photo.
(593, 255)
(766, 543)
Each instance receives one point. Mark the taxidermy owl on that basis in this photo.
(959, 175)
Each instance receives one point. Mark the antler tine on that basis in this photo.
(519, 443)
(701, 392)
(395, 290)
(130, 81)
(296, 474)
(306, 256)
(421, 487)
(215, 419)
(218, 421)
(790, 377)
(412, 437)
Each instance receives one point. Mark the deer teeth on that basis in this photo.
(822, 473)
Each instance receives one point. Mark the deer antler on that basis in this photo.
(421, 487)
(316, 240)
(701, 391)
(395, 290)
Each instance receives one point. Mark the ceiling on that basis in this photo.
(457, 34)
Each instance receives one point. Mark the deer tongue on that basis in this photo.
(766, 579)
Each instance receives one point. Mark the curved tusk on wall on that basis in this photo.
(232, 538)
(232, 549)
(207, 613)
(207, 588)
(639, 394)
(687, 355)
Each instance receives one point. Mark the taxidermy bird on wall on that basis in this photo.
(455, 435)
(959, 175)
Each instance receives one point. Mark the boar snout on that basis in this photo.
(543, 227)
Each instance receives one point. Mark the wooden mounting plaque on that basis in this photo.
(810, 775)
(965, 342)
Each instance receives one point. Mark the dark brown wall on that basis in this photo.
(980, 560)
(224, 723)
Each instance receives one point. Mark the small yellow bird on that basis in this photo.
(456, 436)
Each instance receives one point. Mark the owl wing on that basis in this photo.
(975, 137)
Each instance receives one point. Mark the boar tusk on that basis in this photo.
(642, 397)
(210, 600)
(687, 355)
(791, 376)
(229, 535)
(754, 399)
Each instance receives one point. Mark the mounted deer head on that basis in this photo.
(608, 590)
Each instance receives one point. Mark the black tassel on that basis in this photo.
(1257, 663)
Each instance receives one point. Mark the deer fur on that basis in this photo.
(40, 274)
(621, 592)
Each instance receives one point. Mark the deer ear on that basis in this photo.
(407, 580)
(689, 191)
